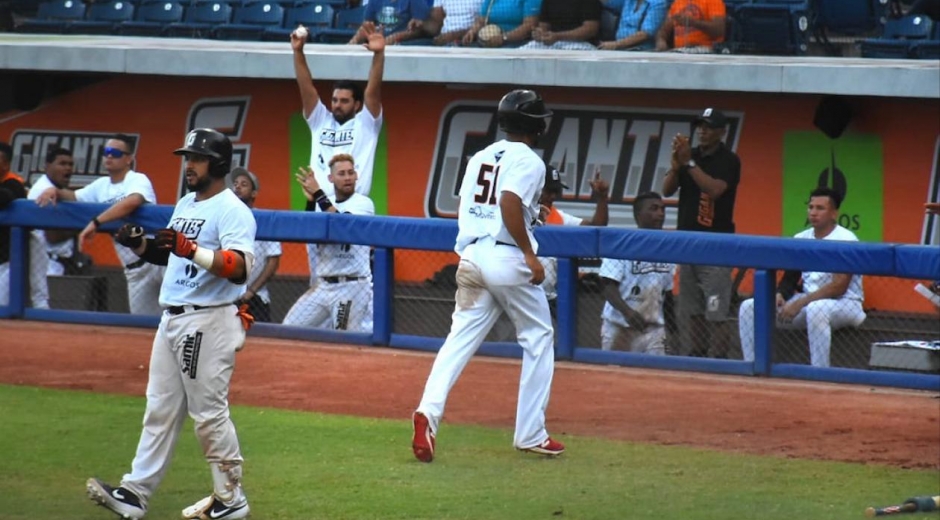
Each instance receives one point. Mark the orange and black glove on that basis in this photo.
(175, 242)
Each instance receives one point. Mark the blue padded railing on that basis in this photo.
(765, 254)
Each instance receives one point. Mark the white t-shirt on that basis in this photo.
(509, 166)
(458, 14)
(567, 219)
(106, 192)
(812, 280)
(642, 286)
(221, 222)
(63, 249)
(263, 251)
(346, 259)
(357, 137)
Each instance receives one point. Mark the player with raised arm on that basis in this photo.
(207, 249)
(499, 272)
(341, 297)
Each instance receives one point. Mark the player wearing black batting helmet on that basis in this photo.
(522, 112)
(212, 144)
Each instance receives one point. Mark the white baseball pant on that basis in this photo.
(651, 340)
(143, 288)
(492, 279)
(38, 270)
(191, 365)
(334, 306)
(819, 317)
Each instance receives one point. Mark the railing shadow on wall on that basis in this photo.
(766, 255)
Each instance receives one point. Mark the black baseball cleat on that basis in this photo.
(122, 501)
(211, 508)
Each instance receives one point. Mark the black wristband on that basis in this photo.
(324, 203)
(317, 194)
(96, 222)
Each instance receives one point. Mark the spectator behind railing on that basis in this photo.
(567, 25)
(11, 188)
(828, 301)
(640, 20)
(267, 253)
(707, 179)
(693, 26)
(507, 23)
(636, 292)
(447, 24)
(395, 18)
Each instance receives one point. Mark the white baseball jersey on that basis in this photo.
(346, 259)
(357, 137)
(642, 287)
(263, 250)
(221, 222)
(482, 185)
(812, 280)
(458, 14)
(62, 249)
(106, 192)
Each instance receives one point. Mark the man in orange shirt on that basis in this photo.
(693, 25)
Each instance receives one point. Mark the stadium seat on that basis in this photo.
(54, 17)
(896, 40)
(152, 18)
(201, 18)
(609, 22)
(345, 26)
(104, 18)
(251, 20)
(772, 27)
(315, 16)
(849, 17)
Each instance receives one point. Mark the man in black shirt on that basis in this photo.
(567, 25)
(707, 179)
(11, 188)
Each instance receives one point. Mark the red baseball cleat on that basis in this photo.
(423, 442)
(550, 447)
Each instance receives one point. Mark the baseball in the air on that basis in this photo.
(489, 32)
(301, 32)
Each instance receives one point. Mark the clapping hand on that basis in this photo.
(681, 149)
(308, 181)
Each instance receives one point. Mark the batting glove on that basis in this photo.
(130, 235)
(175, 242)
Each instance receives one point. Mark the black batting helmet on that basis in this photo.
(522, 112)
(214, 145)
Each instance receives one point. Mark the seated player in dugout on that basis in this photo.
(342, 296)
(267, 253)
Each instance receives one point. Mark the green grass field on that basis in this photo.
(311, 466)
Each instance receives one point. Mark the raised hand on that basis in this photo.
(599, 185)
(308, 181)
(375, 40)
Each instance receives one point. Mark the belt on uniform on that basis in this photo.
(338, 279)
(180, 309)
(498, 242)
(134, 265)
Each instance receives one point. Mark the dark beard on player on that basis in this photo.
(199, 185)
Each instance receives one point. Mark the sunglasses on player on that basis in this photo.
(117, 153)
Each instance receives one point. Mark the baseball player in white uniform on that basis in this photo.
(267, 254)
(499, 272)
(351, 125)
(636, 291)
(126, 190)
(48, 246)
(828, 301)
(342, 296)
(208, 251)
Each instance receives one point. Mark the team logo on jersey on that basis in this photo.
(638, 267)
(191, 270)
(481, 212)
(190, 227)
(31, 146)
(630, 147)
(225, 114)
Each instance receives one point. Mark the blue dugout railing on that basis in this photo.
(765, 254)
